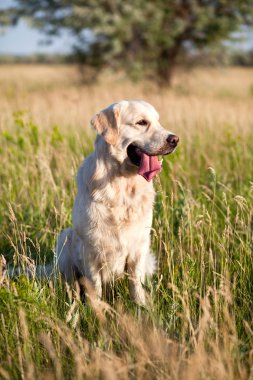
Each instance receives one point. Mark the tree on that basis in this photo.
(140, 36)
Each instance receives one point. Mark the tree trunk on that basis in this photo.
(166, 64)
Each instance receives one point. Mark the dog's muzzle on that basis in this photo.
(147, 162)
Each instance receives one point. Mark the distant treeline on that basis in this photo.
(37, 58)
(201, 58)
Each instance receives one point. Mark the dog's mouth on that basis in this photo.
(149, 164)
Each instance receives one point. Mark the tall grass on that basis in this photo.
(198, 322)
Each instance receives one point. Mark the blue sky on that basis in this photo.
(23, 40)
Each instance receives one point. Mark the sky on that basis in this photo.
(23, 40)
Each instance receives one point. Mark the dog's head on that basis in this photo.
(134, 135)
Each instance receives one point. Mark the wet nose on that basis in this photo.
(173, 140)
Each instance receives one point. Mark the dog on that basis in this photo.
(112, 213)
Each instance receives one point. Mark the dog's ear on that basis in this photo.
(106, 123)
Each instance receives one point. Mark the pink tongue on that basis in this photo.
(149, 166)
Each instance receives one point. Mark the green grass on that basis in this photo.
(198, 322)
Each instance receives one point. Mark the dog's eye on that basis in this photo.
(142, 122)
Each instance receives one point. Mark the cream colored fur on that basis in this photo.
(112, 214)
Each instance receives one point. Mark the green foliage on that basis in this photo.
(143, 37)
(23, 127)
(56, 137)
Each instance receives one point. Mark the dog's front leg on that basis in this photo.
(136, 273)
(94, 278)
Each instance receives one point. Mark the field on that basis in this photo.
(198, 321)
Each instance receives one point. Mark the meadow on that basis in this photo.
(198, 320)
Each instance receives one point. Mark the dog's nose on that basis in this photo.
(173, 140)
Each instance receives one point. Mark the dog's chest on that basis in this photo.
(126, 223)
(131, 203)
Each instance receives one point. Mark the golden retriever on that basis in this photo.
(112, 214)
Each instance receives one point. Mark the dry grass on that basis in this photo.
(198, 323)
(53, 96)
